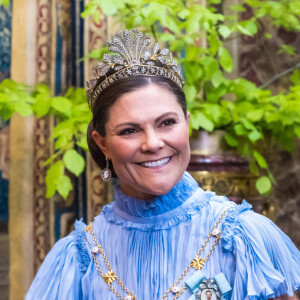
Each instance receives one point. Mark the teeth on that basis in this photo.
(157, 163)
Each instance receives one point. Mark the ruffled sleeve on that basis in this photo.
(267, 262)
(60, 275)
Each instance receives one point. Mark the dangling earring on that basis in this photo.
(106, 173)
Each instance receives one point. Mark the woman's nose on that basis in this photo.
(152, 142)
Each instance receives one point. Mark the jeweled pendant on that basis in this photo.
(106, 174)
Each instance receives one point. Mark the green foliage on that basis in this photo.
(254, 113)
(72, 116)
(4, 2)
(251, 118)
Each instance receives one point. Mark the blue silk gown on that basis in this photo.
(150, 243)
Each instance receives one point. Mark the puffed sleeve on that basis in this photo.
(267, 261)
(60, 275)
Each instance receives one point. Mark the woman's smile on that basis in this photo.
(147, 141)
(156, 164)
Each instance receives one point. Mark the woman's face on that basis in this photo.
(147, 141)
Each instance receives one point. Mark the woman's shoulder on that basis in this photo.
(59, 275)
(267, 261)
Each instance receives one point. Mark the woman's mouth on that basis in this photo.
(155, 164)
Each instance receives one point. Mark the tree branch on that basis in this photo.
(279, 75)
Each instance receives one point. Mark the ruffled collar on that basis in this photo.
(159, 205)
(164, 211)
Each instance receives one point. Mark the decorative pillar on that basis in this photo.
(21, 155)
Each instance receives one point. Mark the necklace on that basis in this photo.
(110, 276)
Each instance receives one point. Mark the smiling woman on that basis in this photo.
(163, 237)
(149, 150)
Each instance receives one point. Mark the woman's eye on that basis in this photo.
(168, 122)
(127, 131)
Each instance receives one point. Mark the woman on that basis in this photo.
(163, 237)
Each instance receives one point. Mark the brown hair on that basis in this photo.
(108, 98)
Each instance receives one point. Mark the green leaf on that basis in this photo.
(41, 106)
(231, 140)
(210, 66)
(224, 31)
(83, 144)
(64, 186)
(295, 77)
(192, 23)
(108, 7)
(63, 141)
(237, 8)
(251, 27)
(225, 59)
(61, 104)
(297, 130)
(240, 130)
(167, 37)
(23, 109)
(74, 162)
(64, 128)
(263, 185)
(287, 49)
(89, 9)
(171, 24)
(254, 136)
(268, 35)
(217, 78)
(4, 2)
(54, 173)
(260, 160)
(243, 30)
(184, 13)
(255, 115)
(204, 122)
(190, 92)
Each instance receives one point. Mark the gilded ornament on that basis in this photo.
(198, 263)
(110, 277)
(88, 228)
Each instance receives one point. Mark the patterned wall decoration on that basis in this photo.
(42, 132)
(5, 41)
(98, 193)
(5, 61)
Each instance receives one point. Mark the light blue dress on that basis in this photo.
(150, 243)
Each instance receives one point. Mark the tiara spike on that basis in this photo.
(131, 57)
(136, 43)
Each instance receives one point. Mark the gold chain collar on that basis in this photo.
(110, 276)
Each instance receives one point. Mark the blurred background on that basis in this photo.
(240, 60)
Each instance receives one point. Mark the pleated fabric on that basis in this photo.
(150, 243)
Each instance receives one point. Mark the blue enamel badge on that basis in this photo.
(208, 289)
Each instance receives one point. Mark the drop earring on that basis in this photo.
(106, 173)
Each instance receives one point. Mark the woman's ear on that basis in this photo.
(188, 116)
(101, 143)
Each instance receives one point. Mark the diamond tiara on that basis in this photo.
(132, 58)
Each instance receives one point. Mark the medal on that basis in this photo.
(208, 289)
